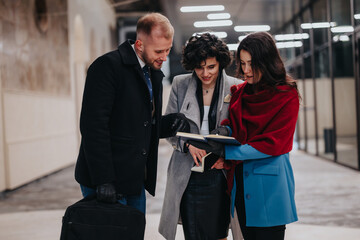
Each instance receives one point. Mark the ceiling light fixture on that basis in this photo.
(291, 44)
(322, 25)
(232, 46)
(289, 37)
(218, 23)
(252, 28)
(317, 25)
(218, 34)
(342, 29)
(342, 38)
(306, 26)
(241, 38)
(357, 16)
(208, 8)
(214, 16)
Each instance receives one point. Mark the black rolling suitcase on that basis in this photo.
(89, 219)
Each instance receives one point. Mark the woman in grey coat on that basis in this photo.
(203, 96)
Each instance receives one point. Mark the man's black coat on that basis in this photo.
(119, 142)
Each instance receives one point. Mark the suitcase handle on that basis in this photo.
(92, 196)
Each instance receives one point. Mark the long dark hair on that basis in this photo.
(265, 59)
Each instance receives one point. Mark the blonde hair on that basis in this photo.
(147, 23)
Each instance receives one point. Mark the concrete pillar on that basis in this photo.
(3, 172)
(79, 64)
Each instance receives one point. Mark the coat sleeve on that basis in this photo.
(174, 106)
(243, 152)
(98, 100)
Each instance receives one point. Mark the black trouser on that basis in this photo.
(252, 233)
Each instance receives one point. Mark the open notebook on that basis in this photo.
(202, 138)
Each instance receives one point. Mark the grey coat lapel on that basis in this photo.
(190, 106)
(224, 85)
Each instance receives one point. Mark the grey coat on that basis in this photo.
(183, 99)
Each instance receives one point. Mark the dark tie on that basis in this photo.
(148, 81)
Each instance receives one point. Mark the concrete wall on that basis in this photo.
(324, 104)
(92, 28)
(37, 136)
(345, 105)
(2, 149)
(43, 64)
(40, 135)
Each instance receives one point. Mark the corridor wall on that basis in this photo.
(38, 106)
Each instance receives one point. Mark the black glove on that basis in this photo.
(173, 123)
(106, 193)
(209, 146)
(222, 130)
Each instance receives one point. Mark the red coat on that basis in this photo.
(265, 120)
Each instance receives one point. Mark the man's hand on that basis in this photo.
(173, 123)
(210, 146)
(106, 193)
(222, 130)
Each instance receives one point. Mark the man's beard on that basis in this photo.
(153, 64)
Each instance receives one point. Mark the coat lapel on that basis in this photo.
(224, 86)
(129, 58)
(190, 106)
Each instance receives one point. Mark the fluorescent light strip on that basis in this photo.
(214, 16)
(252, 28)
(291, 44)
(342, 38)
(233, 46)
(218, 23)
(208, 8)
(241, 38)
(289, 37)
(306, 26)
(321, 25)
(317, 25)
(218, 34)
(342, 29)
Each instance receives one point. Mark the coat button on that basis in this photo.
(146, 123)
(246, 173)
(143, 152)
(248, 196)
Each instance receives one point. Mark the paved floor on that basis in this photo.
(327, 197)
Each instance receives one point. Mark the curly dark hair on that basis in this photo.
(265, 58)
(201, 47)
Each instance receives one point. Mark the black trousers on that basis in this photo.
(252, 233)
